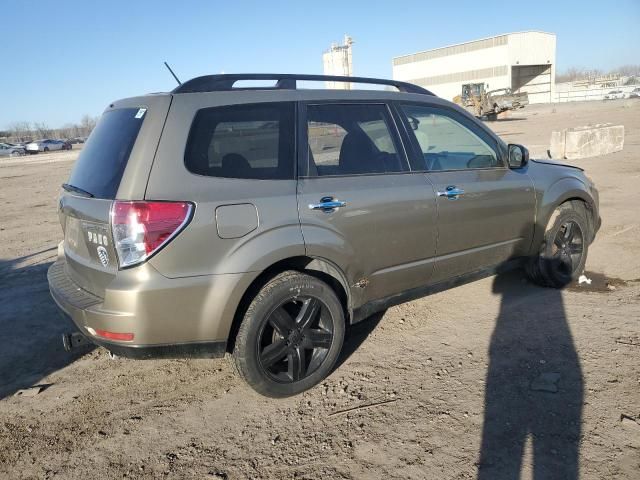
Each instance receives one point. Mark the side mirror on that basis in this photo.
(518, 156)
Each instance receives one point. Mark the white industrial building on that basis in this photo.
(522, 61)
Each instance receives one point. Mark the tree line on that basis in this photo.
(28, 131)
(578, 73)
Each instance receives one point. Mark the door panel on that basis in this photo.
(485, 210)
(384, 236)
(486, 225)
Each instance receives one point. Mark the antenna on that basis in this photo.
(174, 75)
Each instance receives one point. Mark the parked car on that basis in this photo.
(11, 150)
(19, 146)
(262, 222)
(76, 140)
(47, 145)
(635, 93)
(614, 95)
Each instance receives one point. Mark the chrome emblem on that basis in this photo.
(103, 256)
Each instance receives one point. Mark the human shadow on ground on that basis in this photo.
(534, 386)
(30, 324)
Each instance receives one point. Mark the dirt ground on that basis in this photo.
(480, 381)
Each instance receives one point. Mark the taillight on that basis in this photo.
(141, 228)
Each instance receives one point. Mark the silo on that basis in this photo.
(338, 60)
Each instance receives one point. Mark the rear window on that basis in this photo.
(253, 141)
(102, 161)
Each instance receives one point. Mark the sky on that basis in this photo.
(65, 58)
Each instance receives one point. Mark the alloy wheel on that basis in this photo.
(567, 248)
(295, 339)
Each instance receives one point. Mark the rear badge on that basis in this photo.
(103, 256)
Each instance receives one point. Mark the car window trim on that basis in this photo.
(493, 143)
(302, 135)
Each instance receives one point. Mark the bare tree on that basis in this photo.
(42, 130)
(87, 123)
(627, 70)
(25, 131)
(20, 131)
(570, 75)
(67, 131)
(577, 73)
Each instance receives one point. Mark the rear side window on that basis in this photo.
(102, 161)
(351, 139)
(253, 141)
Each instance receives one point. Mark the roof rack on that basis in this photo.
(284, 81)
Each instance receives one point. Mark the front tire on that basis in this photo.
(563, 253)
(291, 335)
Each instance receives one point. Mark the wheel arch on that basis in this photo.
(563, 191)
(320, 268)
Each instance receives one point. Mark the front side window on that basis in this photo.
(351, 139)
(445, 143)
(251, 141)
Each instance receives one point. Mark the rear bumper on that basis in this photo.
(183, 317)
(178, 350)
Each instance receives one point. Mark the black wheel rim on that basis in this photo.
(567, 249)
(295, 339)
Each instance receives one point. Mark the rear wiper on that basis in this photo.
(72, 188)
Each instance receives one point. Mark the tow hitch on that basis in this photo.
(73, 340)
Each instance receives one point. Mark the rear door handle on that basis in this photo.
(327, 204)
(451, 192)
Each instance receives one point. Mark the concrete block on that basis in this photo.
(589, 141)
(557, 143)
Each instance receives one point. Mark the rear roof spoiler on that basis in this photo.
(284, 81)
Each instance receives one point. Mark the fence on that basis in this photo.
(583, 94)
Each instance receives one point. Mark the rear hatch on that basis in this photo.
(114, 164)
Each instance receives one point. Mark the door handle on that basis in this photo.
(327, 204)
(451, 192)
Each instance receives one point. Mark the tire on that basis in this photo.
(291, 335)
(563, 252)
(46, 149)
